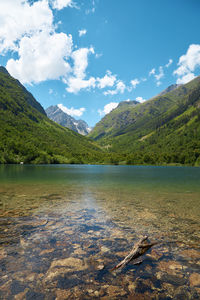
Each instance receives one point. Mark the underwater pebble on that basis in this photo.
(104, 249)
(3, 253)
(194, 279)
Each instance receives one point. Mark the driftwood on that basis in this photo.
(138, 250)
(141, 248)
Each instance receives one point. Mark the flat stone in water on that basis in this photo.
(195, 279)
(62, 294)
(70, 262)
(174, 280)
(191, 253)
(104, 249)
(3, 253)
(171, 267)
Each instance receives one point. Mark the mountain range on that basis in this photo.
(163, 130)
(56, 114)
(28, 135)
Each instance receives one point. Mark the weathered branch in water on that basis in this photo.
(139, 249)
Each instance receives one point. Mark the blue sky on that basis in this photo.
(90, 55)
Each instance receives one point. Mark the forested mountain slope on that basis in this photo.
(27, 135)
(163, 129)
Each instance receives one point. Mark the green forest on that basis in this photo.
(162, 131)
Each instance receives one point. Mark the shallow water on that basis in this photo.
(63, 228)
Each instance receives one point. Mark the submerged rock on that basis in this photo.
(194, 279)
(170, 267)
(62, 294)
(191, 253)
(104, 249)
(3, 253)
(62, 266)
(70, 263)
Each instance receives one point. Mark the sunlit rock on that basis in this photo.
(194, 279)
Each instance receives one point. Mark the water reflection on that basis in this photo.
(64, 228)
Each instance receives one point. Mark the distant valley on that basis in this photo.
(164, 130)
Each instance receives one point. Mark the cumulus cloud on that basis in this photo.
(78, 81)
(169, 63)
(76, 84)
(19, 18)
(140, 99)
(160, 74)
(80, 58)
(60, 4)
(188, 63)
(107, 81)
(108, 108)
(186, 78)
(152, 72)
(82, 32)
(72, 111)
(39, 58)
(41, 53)
(120, 88)
(134, 83)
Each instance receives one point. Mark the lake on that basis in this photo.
(64, 227)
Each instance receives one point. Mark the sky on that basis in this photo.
(89, 55)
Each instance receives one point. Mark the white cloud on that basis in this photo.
(19, 18)
(140, 99)
(72, 111)
(152, 72)
(107, 80)
(75, 84)
(186, 78)
(41, 56)
(60, 4)
(98, 55)
(82, 32)
(78, 82)
(27, 28)
(80, 58)
(108, 108)
(169, 63)
(160, 74)
(144, 79)
(188, 63)
(134, 83)
(158, 83)
(120, 88)
(157, 76)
